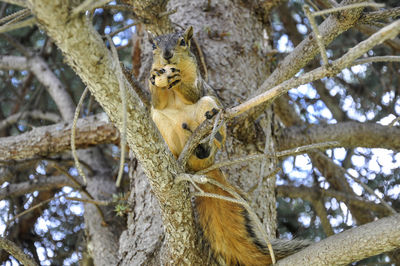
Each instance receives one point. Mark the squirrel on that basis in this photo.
(176, 89)
(178, 108)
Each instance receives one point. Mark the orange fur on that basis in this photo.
(223, 224)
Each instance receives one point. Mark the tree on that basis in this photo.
(338, 113)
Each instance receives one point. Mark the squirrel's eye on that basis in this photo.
(182, 43)
(154, 46)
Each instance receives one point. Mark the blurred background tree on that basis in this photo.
(317, 195)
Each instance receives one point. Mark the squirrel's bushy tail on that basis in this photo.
(229, 233)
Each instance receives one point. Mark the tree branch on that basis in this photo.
(348, 134)
(39, 184)
(307, 193)
(332, 69)
(48, 140)
(16, 252)
(17, 2)
(44, 74)
(379, 15)
(35, 114)
(351, 245)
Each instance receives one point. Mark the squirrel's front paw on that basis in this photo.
(155, 75)
(173, 75)
(220, 135)
(211, 113)
(166, 77)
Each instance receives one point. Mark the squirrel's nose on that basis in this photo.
(167, 55)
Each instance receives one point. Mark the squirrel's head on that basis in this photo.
(169, 48)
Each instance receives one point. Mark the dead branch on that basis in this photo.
(307, 193)
(38, 184)
(35, 114)
(246, 159)
(348, 134)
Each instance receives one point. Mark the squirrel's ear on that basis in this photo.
(188, 34)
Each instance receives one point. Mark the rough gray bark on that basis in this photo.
(141, 243)
(357, 243)
(349, 134)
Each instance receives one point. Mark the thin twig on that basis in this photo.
(14, 26)
(35, 114)
(22, 3)
(73, 133)
(262, 168)
(122, 91)
(32, 208)
(112, 34)
(193, 179)
(95, 202)
(216, 196)
(166, 13)
(21, 16)
(374, 59)
(378, 15)
(19, 13)
(81, 188)
(397, 119)
(370, 191)
(318, 36)
(215, 128)
(201, 57)
(89, 5)
(352, 6)
(295, 151)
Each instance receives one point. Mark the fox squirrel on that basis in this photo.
(178, 108)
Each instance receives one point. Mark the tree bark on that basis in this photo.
(352, 245)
